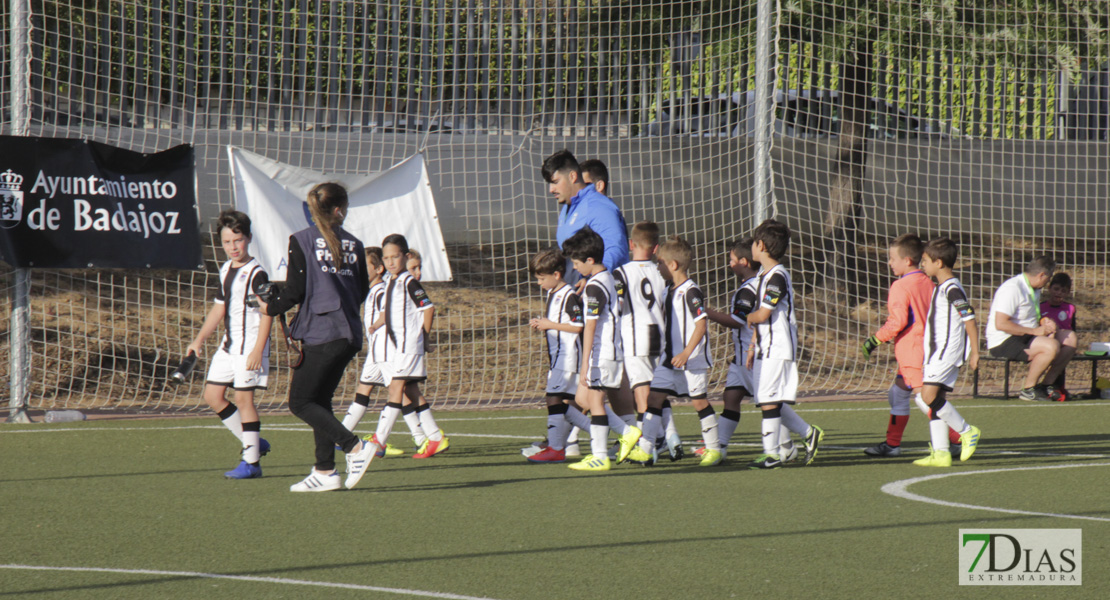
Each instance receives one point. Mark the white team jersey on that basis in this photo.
(778, 335)
(642, 291)
(371, 310)
(563, 347)
(602, 305)
(241, 321)
(405, 301)
(744, 301)
(685, 306)
(945, 336)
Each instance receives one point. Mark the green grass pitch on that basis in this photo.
(139, 509)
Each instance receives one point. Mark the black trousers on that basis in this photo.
(310, 397)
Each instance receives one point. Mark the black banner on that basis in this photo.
(82, 204)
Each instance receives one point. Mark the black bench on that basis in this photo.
(1080, 357)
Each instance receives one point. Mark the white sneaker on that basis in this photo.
(573, 450)
(357, 462)
(317, 482)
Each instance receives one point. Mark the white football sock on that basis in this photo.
(668, 423)
(793, 422)
(354, 415)
(234, 424)
(580, 422)
(951, 416)
(921, 404)
(616, 422)
(252, 450)
(770, 429)
(785, 443)
(413, 421)
(652, 427)
(557, 429)
(709, 432)
(725, 428)
(428, 423)
(938, 433)
(386, 420)
(599, 440)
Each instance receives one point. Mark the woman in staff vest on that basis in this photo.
(327, 277)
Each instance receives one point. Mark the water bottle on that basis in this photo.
(182, 372)
(63, 416)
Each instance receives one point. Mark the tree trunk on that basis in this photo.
(841, 227)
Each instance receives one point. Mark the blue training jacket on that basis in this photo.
(591, 207)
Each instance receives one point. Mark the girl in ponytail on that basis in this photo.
(327, 203)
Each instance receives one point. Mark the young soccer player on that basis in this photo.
(407, 322)
(739, 381)
(1062, 312)
(774, 364)
(413, 413)
(684, 370)
(562, 325)
(951, 337)
(602, 359)
(371, 376)
(906, 304)
(641, 290)
(413, 262)
(243, 359)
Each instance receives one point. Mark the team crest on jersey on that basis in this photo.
(964, 308)
(593, 306)
(11, 199)
(695, 304)
(773, 295)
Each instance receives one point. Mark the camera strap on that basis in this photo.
(290, 344)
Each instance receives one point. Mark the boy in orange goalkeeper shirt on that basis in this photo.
(907, 306)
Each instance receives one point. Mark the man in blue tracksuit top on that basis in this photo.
(581, 205)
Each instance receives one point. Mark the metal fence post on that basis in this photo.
(19, 337)
(764, 110)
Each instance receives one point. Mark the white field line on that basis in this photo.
(277, 580)
(899, 489)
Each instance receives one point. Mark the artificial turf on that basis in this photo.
(479, 521)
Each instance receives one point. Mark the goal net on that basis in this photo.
(985, 125)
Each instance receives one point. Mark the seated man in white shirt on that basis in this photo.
(1017, 331)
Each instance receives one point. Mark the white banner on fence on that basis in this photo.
(395, 201)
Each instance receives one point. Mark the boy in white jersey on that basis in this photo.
(406, 320)
(371, 376)
(416, 412)
(684, 370)
(562, 326)
(773, 352)
(642, 290)
(602, 362)
(243, 359)
(951, 337)
(739, 381)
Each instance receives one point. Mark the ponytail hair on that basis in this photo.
(323, 199)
